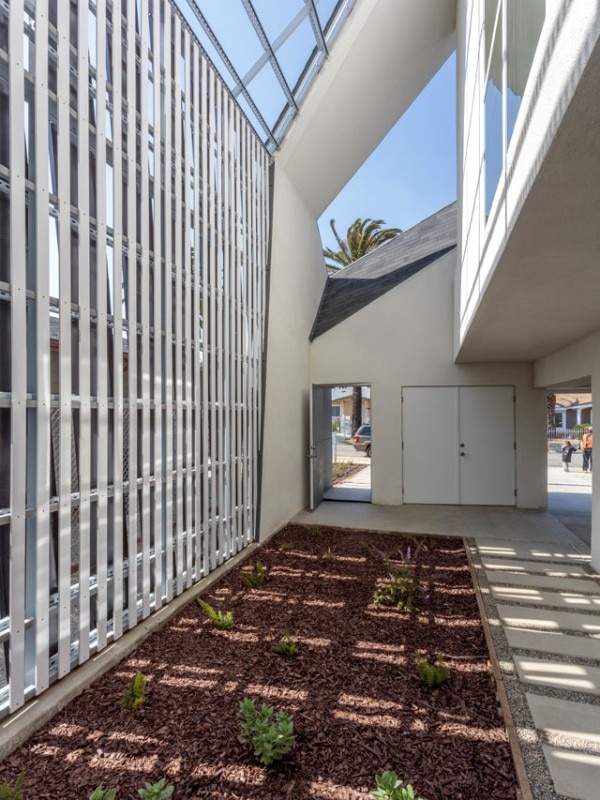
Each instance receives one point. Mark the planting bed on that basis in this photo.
(358, 705)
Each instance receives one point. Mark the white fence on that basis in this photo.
(133, 225)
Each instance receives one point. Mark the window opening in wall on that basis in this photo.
(512, 32)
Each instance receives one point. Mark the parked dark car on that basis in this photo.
(362, 439)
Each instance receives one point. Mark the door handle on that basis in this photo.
(464, 454)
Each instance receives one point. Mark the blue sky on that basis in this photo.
(412, 173)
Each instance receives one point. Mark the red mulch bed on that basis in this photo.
(358, 705)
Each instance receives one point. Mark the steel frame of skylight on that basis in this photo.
(324, 38)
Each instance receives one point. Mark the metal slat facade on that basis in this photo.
(134, 311)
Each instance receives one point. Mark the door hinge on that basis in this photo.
(515, 492)
(514, 445)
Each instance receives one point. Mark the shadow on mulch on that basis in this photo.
(358, 705)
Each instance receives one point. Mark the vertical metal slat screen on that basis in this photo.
(132, 312)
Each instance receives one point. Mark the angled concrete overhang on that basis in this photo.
(386, 54)
(544, 292)
(378, 272)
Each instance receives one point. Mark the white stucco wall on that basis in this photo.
(568, 38)
(297, 280)
(404, 338)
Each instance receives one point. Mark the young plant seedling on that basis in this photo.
(329, 555)
(156, 791)
(287, 647)
(409, 554)
(390, 787)
(399, 588)
(134, 698)
(432, 675)
(16, 792)
(100, 794)
(223, 620)
(270, 735)
(255, 577)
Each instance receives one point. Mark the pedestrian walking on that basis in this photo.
(587, 443)
(567, 452)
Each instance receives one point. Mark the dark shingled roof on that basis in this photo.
(365, 280)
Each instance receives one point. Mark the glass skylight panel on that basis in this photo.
(235, 32)
(295, 52)
(268, 95)
(325, 9)
(276, 15)
(259, 46)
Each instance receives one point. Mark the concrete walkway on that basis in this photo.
(355, 489)
(541, 599)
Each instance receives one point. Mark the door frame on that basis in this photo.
(312, 444)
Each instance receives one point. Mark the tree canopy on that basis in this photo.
(363, 236)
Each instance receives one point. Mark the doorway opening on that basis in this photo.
(341, 446)
(569, 418)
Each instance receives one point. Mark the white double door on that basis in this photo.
(458, 445)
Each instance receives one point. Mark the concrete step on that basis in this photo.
(544, 551)
(577, 585)
(555, 674)
(561, 644)
(575, 775)
(548, 620)
(560, 600)
(566, 718)
(511, 565)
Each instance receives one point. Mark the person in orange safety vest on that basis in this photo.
(587, 443)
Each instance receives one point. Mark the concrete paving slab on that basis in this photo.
(580, 602)
(555, 674)
(575, 775)
(577, 585)
(550, 552)
(565, 571)
(565, 717)
(489, 523)
(556, 643)
(549, 620)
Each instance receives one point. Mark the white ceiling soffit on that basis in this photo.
(544, 293)
(386, 54)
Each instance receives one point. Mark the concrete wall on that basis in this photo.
(297, 280)
(404, 338)
(386, 53)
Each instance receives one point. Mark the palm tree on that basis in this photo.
(362, 236)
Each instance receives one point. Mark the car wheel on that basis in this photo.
(368, 451)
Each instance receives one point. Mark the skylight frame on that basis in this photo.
(272, 136)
